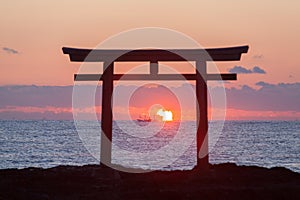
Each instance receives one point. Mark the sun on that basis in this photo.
(166, 115)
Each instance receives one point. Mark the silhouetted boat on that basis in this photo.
(144, 119)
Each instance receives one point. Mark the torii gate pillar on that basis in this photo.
(202, 115)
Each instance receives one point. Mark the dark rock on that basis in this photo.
(223, 181)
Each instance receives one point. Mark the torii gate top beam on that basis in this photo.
(155, 55)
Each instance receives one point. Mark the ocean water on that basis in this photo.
(46, 143)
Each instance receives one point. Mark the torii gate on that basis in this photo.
(200, 56)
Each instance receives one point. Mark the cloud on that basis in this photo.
(263, 84)
(258, 70)
(9, 50)
(240, 70)
(243, 70)
(36, 96)
(269, 97)
(56, 101)
(258, 56)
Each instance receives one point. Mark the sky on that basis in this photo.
(33, 33)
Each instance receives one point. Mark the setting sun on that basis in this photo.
(165, 114)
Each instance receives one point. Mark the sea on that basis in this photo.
(154, 146)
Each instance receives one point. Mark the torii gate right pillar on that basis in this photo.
(202, 115)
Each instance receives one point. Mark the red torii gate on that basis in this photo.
(200, 56)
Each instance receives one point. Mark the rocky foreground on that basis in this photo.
(223, 181)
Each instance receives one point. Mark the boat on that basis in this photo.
(144, 118)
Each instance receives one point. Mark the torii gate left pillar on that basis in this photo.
(201, 56)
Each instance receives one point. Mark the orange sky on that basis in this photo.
(38, 29)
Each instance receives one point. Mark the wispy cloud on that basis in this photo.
(258, 56)
(10, 50)
(243, 70)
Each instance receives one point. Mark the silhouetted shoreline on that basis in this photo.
(222, 181)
